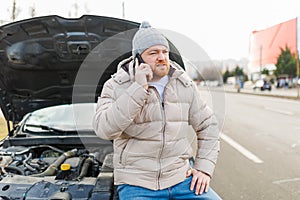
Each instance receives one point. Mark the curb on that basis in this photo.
(267, 95)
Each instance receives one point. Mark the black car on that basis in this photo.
(52, 70)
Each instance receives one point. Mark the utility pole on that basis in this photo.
(297, 72)
(123, 10)
(297, 60)
(260, 61)
(32, 10)
(13, 14)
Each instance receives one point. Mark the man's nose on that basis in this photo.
(161, 56)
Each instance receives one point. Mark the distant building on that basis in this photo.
(264, 45)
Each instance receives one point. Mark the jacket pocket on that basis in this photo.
(125, 152)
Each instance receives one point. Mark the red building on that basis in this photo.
(264, 47)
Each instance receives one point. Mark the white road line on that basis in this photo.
(241, 149)
(279, 111)
(286, 180)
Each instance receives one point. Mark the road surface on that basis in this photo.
(260, 149)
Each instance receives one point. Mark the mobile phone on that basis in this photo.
(140, 59)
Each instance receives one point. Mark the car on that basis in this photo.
(262, 85)
(52, 70)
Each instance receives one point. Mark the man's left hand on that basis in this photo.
(200, 181)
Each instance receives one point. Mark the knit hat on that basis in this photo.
(146, 37)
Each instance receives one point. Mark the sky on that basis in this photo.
(221, 27)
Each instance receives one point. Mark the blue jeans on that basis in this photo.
(179, 191)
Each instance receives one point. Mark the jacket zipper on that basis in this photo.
(163, 133)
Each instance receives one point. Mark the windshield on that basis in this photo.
(70, 117)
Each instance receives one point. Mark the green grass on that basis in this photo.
(3, 128)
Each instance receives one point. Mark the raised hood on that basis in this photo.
(40, 57)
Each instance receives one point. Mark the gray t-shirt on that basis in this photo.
(160, 85)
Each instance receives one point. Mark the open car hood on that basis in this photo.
(40, 58)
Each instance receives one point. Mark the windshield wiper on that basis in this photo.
(47, 128)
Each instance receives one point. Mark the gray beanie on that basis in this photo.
(146, 37)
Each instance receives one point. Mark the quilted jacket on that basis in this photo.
(151, 138)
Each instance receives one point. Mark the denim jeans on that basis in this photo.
(179, 191)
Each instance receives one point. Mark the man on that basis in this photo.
(147, 108)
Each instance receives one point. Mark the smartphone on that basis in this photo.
(140, 59)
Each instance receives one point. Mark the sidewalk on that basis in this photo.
(290, 93)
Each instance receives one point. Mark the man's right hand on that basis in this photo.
(143, 74)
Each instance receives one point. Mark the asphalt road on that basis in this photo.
(260, 149)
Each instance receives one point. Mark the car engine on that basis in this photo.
(46, 172)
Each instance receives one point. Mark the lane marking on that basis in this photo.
(241, 149)
(286, 181)
(279, 111)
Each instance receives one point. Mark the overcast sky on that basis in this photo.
(221, 27)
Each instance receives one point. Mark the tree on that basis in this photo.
(265, 71)
(226, 75)
(238, 71)
(286, 63)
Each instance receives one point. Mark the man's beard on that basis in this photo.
(161, 71)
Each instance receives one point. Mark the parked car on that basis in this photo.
(262, 85)
(51, 151)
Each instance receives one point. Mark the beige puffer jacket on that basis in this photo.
(151, 148)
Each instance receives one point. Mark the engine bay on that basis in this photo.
(47, 172)
(46, 160)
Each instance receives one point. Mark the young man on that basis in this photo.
(147, 108)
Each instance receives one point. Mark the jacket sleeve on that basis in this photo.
(113, 115)
(205, 125)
